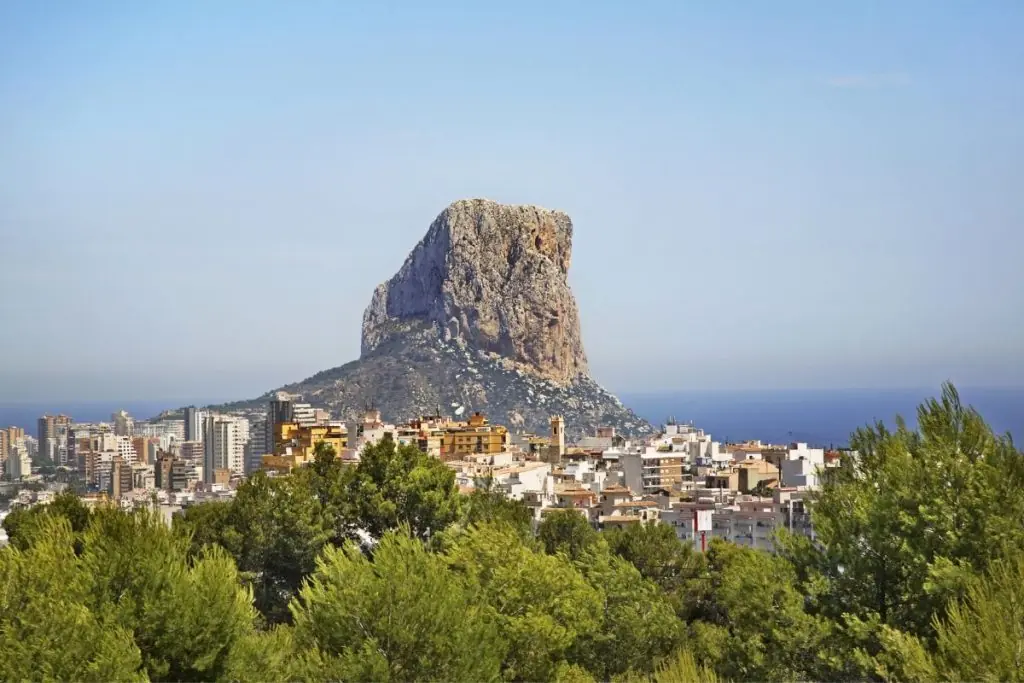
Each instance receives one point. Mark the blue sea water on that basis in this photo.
(823, 418)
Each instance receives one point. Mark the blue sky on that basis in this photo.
(197, 198)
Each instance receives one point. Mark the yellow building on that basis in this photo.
(295, 444)
(473, 436)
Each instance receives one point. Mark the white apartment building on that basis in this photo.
(174, 429)
(746, 521)
(587, 475)
(748, 524)
(368, 430)
(224, 441)
(801, 473)
(516, 479)
(19, 464)
(800, 451)
(802, 466)
(652, 468)
(105, 442)
(126, 450)
(697, 443)
(304, 414)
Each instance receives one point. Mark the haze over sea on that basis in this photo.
(822, 417)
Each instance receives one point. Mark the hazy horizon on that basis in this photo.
(822, 417)
(198, 199)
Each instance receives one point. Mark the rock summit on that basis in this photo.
(480, 317)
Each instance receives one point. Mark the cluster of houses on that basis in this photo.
(702, 488)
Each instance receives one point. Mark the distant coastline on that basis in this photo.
(26, 414)
(822, 417)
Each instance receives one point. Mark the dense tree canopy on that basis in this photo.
(383, 571)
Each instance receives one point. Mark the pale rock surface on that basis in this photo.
(494, 278)
(479, 317)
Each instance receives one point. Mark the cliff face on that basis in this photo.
(479, 317)
(493, 278)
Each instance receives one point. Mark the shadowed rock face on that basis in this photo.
(479, 318)
(492, 278)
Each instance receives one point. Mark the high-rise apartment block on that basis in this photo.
(283, 409)
(18, 464)
(257, 446)
(303, 414)
(52, 433)
(124, 424)
(14, 453)
(121, 480)
(195, 422)
(192, 451)
(5, 446)
(126, 450)
(279, 411)
(171, 473)
(224, 441)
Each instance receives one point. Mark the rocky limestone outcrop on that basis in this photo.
(490, 277)
(480, 317)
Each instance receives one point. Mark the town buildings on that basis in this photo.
(682, 477)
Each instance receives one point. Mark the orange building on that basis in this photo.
(295, 444)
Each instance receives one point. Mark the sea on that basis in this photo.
(819, 417)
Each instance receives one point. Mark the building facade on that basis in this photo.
(52, 433)
(195, 421)
(224, 442)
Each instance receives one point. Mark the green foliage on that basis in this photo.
(905, 526)
(47, 627)
(543, 603)
(638, 622)
(142, 579)
(397, 485)
(566, 531)
(327, 478)
(981, 638)
(23, 524)
(129, 605)
(264, 656)
(682, 667)
(917, 574)
(275, 528)
(754, 625)
(485, 504)
(403, 616)
(659, 555)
